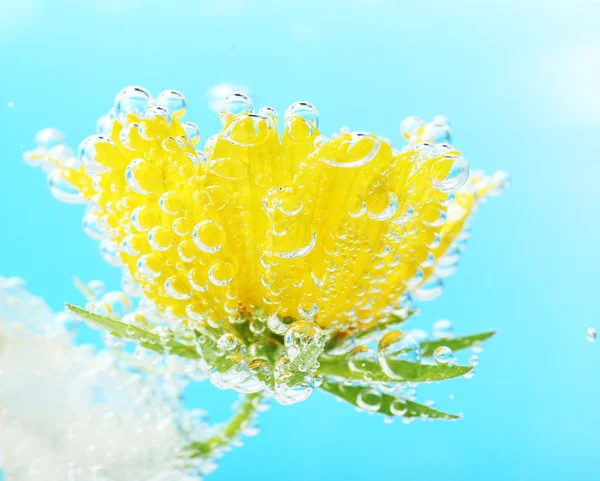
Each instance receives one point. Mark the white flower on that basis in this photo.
(68, 413)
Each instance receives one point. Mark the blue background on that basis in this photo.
(518, 79)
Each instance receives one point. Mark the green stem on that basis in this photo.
(231, 430)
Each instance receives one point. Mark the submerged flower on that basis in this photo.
(67, 412)
(302, 241)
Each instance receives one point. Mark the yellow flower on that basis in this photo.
(333, 230)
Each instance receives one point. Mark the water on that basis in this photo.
(527, 103)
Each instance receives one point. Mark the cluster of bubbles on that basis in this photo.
(243, 249)
(278, 357)
(198, 265)
(68, 412)
(395, 346)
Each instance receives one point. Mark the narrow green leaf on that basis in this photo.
(145, 338)
(456, 343)
(407, 371)
(390, 405)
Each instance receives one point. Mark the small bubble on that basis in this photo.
(304, 110)
(228, 342)
(234, 104)
(397, 346)
(450, 173)
(178, 287)
(192, 132)
(442, 355)
(399, 407)
(369, 399)
(590, 334)
(221, 274)
(173, 102)
(208, 236)
(209, 145)
(308, 310)
(271, 113)
(11, 104)
(362, 359)
(132, 100)
(474, 360)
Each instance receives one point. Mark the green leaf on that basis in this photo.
(144, 337)
(456, 343)
(390, 405)
(407, 371)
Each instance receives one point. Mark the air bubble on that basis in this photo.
(132, 100)
(362, 359)
(590, 334)
(270, 113)
(221, 274)
(369, 399)
(360, 149)
(178, 287)
(300, 252)
(382, 207)
(442, 355)
(160, 238)
(208, 236)
(304, 110)
(234, 104)
(173, 102)
(397, 346)
(98, 153)
(192, 132)
(399, 407)
(209, 145)
(450, 173)
(228, 342)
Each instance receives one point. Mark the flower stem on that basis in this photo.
(231, 430)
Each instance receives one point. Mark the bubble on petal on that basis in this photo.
(234, 104)
(173, 102)
(132, 100)
(304, 110)
(209, 236)
(450, 173)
